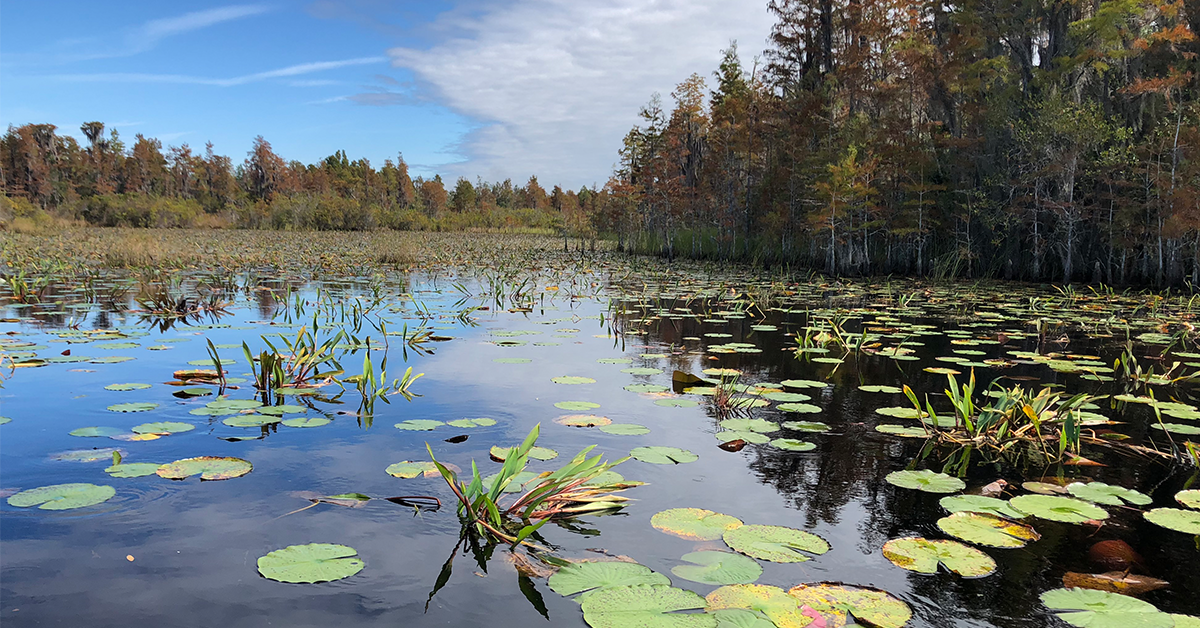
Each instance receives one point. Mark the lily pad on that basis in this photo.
(408, 470)
(750, 425)
(125, 387)
(646, 388)
(250, 420)
(786, 396)
(583, 420)
(234, 404)
(890, 390)
(1058, 508)
(979, 503)
(1185, 521)
(663, 455)
(696, 524)
(1190, 499)
(1177, 428)
(834, 600)
(93, 432)
(924, 556)
(576, 406)
(726, 436)
(710, 567)
(87, 455)
(133, 407)
(535, 452)
(926, 480)
(282, 410)
(163, 427)
(645, 606)
(987, 529)
(902, 430)
(307, 422)
(792, 444)
(803, 383)
(676, 403)
(468, 423)
(583, 577)
(625, 429)
(132, 469)
(782, 609)
(900, 412)
(512, 360)
(1101, 493)
(572, 380)
(62, 496)
(775, 543)
(208, 467)
(418, 425)
(642, 371)
(1089, 608)
(799, 408)
(806, 426)
(314, 562)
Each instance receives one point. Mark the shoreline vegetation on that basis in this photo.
(1040, 142)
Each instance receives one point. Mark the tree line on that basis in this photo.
(108, 183)
(1032, 139)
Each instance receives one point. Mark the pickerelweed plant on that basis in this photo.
(1016, 423)
(585, 485)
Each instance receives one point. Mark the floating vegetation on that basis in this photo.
(314, 562)
(62, 496)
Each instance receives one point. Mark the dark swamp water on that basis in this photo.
(194, 544)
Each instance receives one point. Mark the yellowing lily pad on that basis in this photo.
(163, 427)
(782, 609)
(696, 524)
(834, 601)
(775, 543)
(987, 529)
(924, 556)
(208, 467)
(583, 420)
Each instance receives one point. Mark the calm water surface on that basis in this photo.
(182, 553)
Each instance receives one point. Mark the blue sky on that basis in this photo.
(466, 88)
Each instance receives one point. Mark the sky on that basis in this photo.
(461, 88)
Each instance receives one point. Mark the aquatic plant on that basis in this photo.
(585, 485)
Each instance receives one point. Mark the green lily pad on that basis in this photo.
(112, 359)
(696, 524)
(902, 430)
(780, 608)
(890, 390)
(792, 444)
(1179, 520)
(645, 606)
(615, 361)
(467, 423)
(163, 427)
(572, 380)
(924, 556)
(515, 485)
(62, 496)
(535, 452)
(987, 529)
(1101, 493)
(979, 503)
(195, 391)
(624, 429)
(132, 469)
(125, 387)
(306, 422)
(750, 425)
(408, 470)
(418, 425)
(1189, 499)
(646, 388)
(834, 600)
(900, 412)
(93, 432)
(676, 403)
(587, 577)
(1177, 428)
(926, 480)
(774, 543)
(250, 420)
(663, 455)
(710, 567)
(208, 467)
(1089, 608)
(209, 362)
(512, 360)
(803, 383)
(642, 371)
(800, 408)
(1058, 508)
(315, 562)
(806, 426)
(133, 407)
(726, 436)
(4, 419)
(87, 455)
(282, 410)
(234, 404)
(786, 396)
(576, 406)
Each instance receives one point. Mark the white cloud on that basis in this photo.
(183, 79)
(155, 30)
(556, 84)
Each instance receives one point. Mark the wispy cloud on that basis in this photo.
(557, 83)
(183, 79)
(155, 30)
